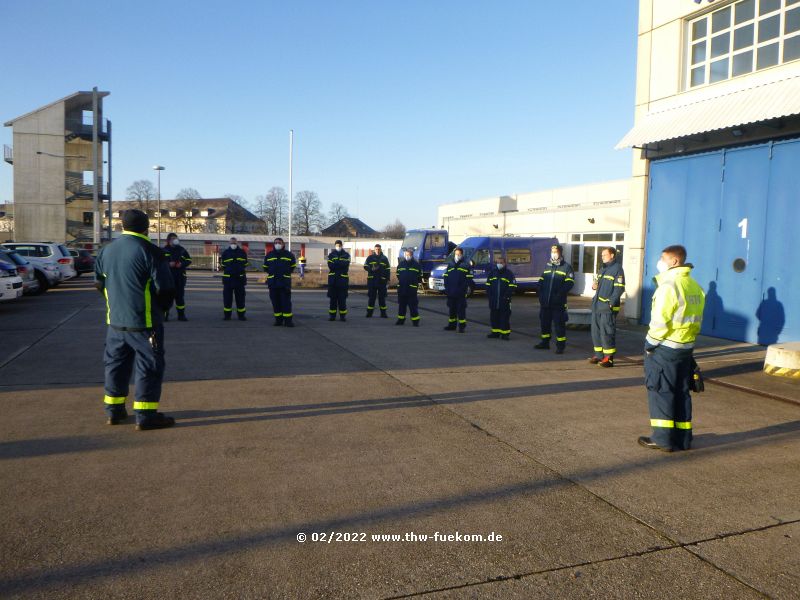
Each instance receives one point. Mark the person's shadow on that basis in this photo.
(714, 308)
(771, 317)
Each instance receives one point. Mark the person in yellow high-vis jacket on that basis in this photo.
(675, 321)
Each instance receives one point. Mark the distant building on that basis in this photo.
(350, 227)
(52, 155)
(202, 215)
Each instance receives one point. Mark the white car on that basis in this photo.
(54, 255)
(10, 282)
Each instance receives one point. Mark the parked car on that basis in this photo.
(43, 253)
(83, 260)
(26, 272)
(10, 282)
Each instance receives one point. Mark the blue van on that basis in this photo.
(431, 247)
(525, 256)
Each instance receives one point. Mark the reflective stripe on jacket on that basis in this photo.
(457, 278)
(378, 269)
(177, 253)
(500, 286)
(338, 269)
(279, 265)
(555, 283)
(409, 276)
(234, 264)
(610, 285)
(677, 310)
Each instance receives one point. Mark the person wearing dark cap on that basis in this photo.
(138, 287)
(279, 264)
(555, 283)
(178, 260)
(234, 263)
(338, 281)
(378, 272)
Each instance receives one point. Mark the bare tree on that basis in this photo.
(277, 205)
(307, 213)
(395, 230)
(186, 219)
(336, 213)
(141, 191)
(188, 194)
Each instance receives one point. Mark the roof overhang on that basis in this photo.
(752, 105)
(77, 96)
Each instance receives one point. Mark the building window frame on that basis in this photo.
(740, 38)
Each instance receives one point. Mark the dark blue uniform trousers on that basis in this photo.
(179, 277)
(338, 298)
(230, 289)
(604, 330)
(667, 373)
(457, 305)
(373, 290)
(553, 318)
(500, 319)
(129, 352)
(408, 302)
(281, 302)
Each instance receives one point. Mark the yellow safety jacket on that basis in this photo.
(677, 311)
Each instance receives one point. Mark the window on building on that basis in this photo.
(740, 38)
(88, 218)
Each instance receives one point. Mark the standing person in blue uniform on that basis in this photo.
(555, 283)
(178, 260)
(279, 264)
(500, 287)
(675, 321)
(234, 263)
(378, 272)
(457, 279)
(609, 287)
(409, 278)
(338, 281)
(138, 288)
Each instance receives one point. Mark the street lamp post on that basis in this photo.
(291, 147)
(158, 169)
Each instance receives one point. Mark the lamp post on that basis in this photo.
(158, 169)
(291, 147)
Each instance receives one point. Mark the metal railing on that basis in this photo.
(8, 154)
(83, 126)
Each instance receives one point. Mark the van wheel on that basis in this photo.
(43, 285)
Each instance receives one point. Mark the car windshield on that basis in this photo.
(6, 262)
(15, 257)
(414, 239)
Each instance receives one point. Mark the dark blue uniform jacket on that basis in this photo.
(279, 265)
(457, 278)
(555, 283)
(500, 286)
(409, 276)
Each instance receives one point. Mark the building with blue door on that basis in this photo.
(716, 142)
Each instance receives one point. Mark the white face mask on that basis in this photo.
(408, 257)
(500, 265)
(458, 257)
(338, 248)
(554, 257)
(176, 242)
(662, 266)
(234, 246)
(278, 246)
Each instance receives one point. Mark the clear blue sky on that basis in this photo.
(396, 106)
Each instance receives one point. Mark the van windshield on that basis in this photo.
(414, 239)
(468, 252)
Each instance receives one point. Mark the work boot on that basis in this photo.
(648, 443)
(415, 323)
(226, 316)
(332, 317)
(117, 418)
(342, 318)
(400, 322)
(383, 314)
(288, 322)
(506, 336)
(560, 348)
(182, 316)
(607, 362)
(241, 316)
(450, 327)
(278, 322)
(157, 421)
(594, 360)
(369, 314)
(461, 328)
(494, 334)
(543, 345)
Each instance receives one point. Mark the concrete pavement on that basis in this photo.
(370, 429)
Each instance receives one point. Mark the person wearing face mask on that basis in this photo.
(675, 321)
(500, 286)
(555, 283)
(338, 281)
(234, 263)
(457, 278)
(178, 260)
(609, 287)
(279, 264)
(409, 276)
(378, 271)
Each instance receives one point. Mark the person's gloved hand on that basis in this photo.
(648, 347)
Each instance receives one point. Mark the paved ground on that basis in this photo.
(363, 427)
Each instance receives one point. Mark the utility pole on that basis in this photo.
(291, 202)
(95, 169)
